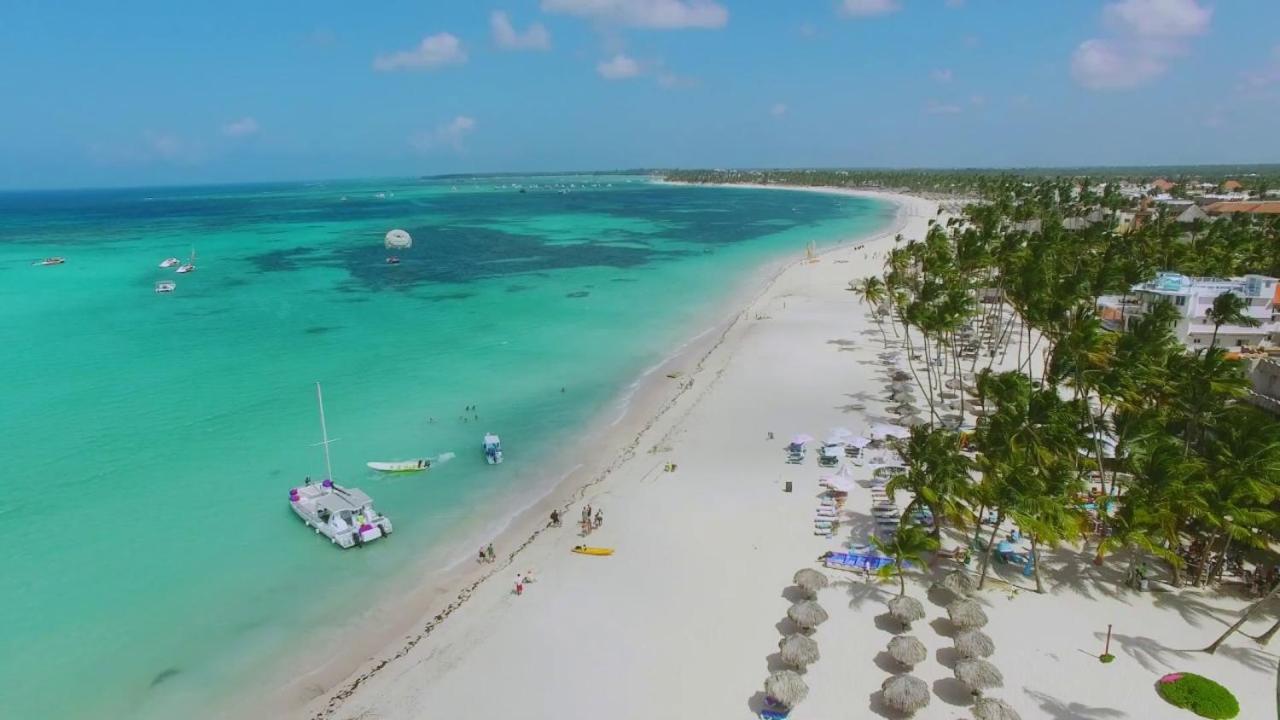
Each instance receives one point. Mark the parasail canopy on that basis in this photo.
(398, 240)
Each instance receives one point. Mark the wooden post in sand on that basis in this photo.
(1106, 649)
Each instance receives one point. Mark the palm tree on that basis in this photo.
(871, 290)
(909, 545)
(1228, 309)
(937, 475)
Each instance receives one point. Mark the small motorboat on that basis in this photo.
(189, 265)
(169, 262)
(400, 466)
(166, 286)
(393, 260)
(50, 261)
(587, 550)
(492, 449)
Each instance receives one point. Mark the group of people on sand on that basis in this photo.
(486, 554)
(591, 522)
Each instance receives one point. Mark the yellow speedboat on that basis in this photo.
(585, 550)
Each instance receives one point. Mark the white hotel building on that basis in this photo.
(1192, 297)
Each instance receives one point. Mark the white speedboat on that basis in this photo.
(169, 262)
(492, 449)
(400, 466)
(344, 515)
(166, 286)
(50, 261)
(189, 265)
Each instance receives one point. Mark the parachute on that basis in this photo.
(398, 240)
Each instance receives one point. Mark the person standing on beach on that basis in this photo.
(489, 552)
(519, 584)
(484, 556)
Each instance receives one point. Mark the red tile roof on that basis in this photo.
(1269, 207)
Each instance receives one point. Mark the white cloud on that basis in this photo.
(778, 110)
(1158, 18)
(652, 14)
(869, 8)
(243, 127)
(942, 75)
(448, 135)
(435, 51)
(507, 37)
(619, 67)
(936, 108)
(1145, 36)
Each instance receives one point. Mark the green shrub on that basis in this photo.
(1200, 695)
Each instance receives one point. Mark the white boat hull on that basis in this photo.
(400, 467)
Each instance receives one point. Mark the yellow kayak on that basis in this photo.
(584, 550)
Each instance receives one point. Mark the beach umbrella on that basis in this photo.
(807, 614)
(906, 610)
(978, 675)
(974, 644)
(859, 442)
(907, 650)
(785, 688)
(801, 439)
(958, 582)
(810, 580)
(993, 709)
(905, 693)
(966, 614)
(799, 651)
(398, 240)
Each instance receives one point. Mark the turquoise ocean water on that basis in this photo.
(150, 563)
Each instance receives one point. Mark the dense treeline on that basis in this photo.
(1125, 441)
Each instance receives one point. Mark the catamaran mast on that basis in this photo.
(324, 431)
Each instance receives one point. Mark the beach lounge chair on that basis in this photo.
(768, 714)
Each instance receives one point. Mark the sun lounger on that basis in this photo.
(856, 562)
(774, 714)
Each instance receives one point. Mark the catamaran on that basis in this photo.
(190, 264)
(166, 286)
(344, 515)
(492, 449)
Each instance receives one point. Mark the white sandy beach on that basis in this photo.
(683, 621)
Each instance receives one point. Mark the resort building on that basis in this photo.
(1193, 298)
(1253, 207)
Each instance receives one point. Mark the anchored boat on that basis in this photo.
(344, 515)
(492, 449)
(169, 262)
(50, 261)
(166, 286)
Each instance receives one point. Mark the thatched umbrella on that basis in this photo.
(978, 675)
(807, 614)
(993, 709)
(799, 651)
(966, 614)
(958, 583)
(785, 688)
(907, 650)
(905, 693)
(810, 581)
(906, 610)
(974, 644)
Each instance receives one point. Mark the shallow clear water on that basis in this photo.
(150, 561)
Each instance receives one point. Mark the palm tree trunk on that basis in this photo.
(986, 555)
(1265, 637)
(1205, 556)
(1035, 567)
(1213, 647)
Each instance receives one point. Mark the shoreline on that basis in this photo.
(440, 592)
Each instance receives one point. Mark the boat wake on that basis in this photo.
(443, 457)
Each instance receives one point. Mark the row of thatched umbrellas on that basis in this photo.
(786, 688)
(909, 694)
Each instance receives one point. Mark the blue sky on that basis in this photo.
(150, 92)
